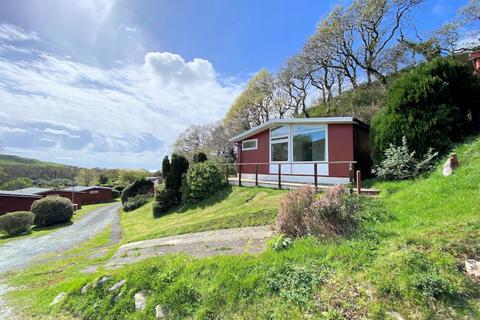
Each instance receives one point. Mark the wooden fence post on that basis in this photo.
(239, 175)
(315, 175)
(226, 172)
(351, 174)
(279, 176)
(359, 182)
(256, 175)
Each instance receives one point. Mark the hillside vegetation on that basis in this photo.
(15, 167)
(406, 259)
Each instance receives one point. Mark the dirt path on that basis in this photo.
(18, 254)
(21, 253)
(201, 244)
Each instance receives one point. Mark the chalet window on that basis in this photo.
(249, 144)
(279, 144)
(309, 143)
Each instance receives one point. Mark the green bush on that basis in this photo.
(52, 210)
(18, 222)
(116, 194)
(400, 163)
(141, 186)
(173, 181)
(119, 188)
(165, 167)
(202, 181)
(135, 202)
(199, 157)
(432, 105)
(164, 200)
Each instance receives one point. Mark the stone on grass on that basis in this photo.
(140, 301)
(159, 313)
(117, 297)
(117, 285)
(58, 298)
(394, 315)
(102, 281)
(85, 288)
(450, 165)
(473, 269)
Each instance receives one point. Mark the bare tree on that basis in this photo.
(87, 177)
(193, 140)
(377, 23)
(295, 82)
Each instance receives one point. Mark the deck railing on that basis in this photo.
(353, 176)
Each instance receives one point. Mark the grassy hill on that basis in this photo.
(15, 167)
(406, 259)
(6, 159)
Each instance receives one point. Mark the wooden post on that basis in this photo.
(279, 176)
(359, 182)
(239, 175)
(315, 175)
(256, 175)
(226, 172)
(351, 174)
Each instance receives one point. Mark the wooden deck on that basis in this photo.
(290, 185)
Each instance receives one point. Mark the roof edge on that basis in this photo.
(273, 122)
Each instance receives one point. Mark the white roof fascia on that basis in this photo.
(274, 122)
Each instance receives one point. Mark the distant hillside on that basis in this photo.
(14, 167)
(6, 159)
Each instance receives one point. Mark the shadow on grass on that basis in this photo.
(55, 226)
(219, 196)
(34, 229)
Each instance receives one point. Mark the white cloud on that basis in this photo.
(60, 133)
(11, 129)
(129, 115)
(172, 69)
(10, 32)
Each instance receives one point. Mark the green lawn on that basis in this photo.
(406, 258)
(229, 208)
(35, 232)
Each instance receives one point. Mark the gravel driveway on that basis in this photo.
(20, 253)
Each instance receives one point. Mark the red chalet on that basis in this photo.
(304, 150)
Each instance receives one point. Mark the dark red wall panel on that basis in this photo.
(10, 204)
(340, 148)
(261, 155)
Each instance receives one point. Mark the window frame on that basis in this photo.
(280, 139)
(250, 140)
(315, 128)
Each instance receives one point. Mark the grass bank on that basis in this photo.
(229, 208)
(406, 259)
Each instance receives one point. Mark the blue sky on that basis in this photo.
(112, 83)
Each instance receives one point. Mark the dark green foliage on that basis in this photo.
(119, 188)
(178, 167)
(202, 181)
(15, 223)
(164, 200)
(103, 179)
(135, 202)
(432, 105)
(165, 167)
(52, 210)
(116, 194)
(141, 186)
(18, 183)
(296, 282)
(199, 157)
